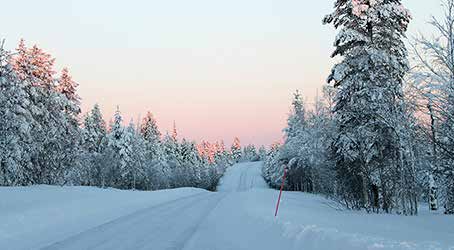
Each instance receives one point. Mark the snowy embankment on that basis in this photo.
(36, 216)
(310, 222)
(239, 216)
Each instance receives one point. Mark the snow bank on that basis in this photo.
(315, 237)
(311, 222)
(36, 216)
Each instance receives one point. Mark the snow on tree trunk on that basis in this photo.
(433, 200)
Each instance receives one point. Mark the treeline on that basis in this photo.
(139, 158)
(45, 140)
(381, 138)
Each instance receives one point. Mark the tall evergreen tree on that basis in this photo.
(132, 171)
(374, 164)
(117, 152)
(94, 145)
(235, 150)
(16, 125)
(72, 135)
(294, 130)
(95, 131)
(156, 162)
(34, 68)
(150, 132)
(297, 117)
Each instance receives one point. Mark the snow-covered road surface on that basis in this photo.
(166, 226)
(239, 216)
(190, 222)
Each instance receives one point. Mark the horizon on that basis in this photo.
(236, 70)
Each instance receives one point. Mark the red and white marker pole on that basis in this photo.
(280, 192)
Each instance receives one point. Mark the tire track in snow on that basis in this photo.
(164, 226)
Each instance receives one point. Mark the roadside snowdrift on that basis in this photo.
(311, 222)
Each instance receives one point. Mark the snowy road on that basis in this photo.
(177, 224)
(165, 226)
(239, 216)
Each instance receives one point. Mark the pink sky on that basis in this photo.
(208, 99)
(219, 69)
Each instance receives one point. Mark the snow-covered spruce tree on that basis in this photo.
(171, 146)
(172, 152)
(297, 117)
(150, 132)
(30, 72)
(296, 124)
(221, 155)
(71, 139)
(156, 164)
(118, 155)
(434, 78)
(34, 68)
(235, 150)
(190, 167)
(16, 124)
(222, 158)
(373, 159)
(288, 154)
(94, 145)
(68, 87)
(95, 131)
(185, 172)
(208, 151)
(132, 172)
(126, 157)
(273, 166)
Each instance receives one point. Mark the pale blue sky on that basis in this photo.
(219, 68)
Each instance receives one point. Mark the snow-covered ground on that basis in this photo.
(34, 217)
(239, 216)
